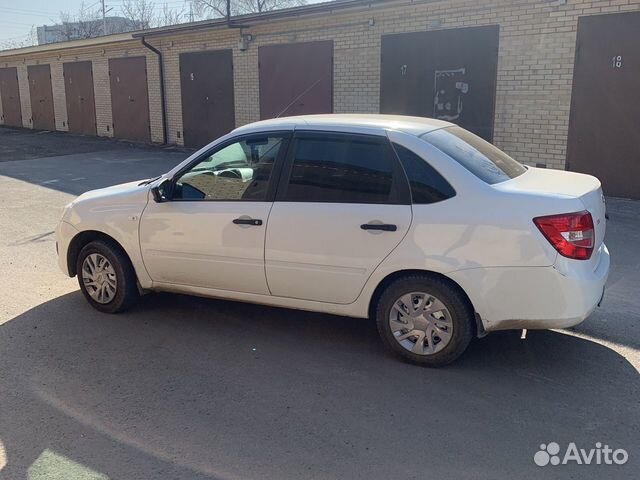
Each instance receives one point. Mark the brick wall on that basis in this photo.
(535, 64)
(102, 90)
(1, 112)
(25, 99)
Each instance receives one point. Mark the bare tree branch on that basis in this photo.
(84, 24)
(209, 8)
(258, 6)
(170, 16)
(141, 12)
(218, 8)
(20, 42)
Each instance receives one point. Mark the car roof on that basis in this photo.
(349, 123)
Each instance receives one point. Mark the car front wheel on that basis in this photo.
(106, 277)
(425, 320)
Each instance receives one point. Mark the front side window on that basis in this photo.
(340, 169)
(238, 171)
(481, 158)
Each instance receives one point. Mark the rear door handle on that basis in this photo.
(385, 227)
(256, 222)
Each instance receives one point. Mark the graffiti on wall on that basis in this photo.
(450, 88)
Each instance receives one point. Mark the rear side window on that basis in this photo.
(427, 185)
(340, 169)
(485, 161)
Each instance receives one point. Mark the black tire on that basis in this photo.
(460, 310)
(126, 286)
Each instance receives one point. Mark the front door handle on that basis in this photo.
(256, 222)
(385, 227)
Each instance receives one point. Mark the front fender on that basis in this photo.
(118, 220)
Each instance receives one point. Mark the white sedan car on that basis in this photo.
(417, 223)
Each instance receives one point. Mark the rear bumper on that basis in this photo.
(535, 297)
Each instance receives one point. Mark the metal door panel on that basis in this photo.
(319, 252)
(445, 74)
(405, 84)
(196, 243)
(10, 93)
(81, 107)
(130, 98)
(296, 79)
(208, 111)
(41, 94)
(605, 107)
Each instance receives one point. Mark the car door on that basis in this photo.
(342, 206)
(211, 231)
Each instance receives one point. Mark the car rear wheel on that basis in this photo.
(425, 320)
(106, 277)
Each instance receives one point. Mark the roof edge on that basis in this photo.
(71, 44)
(241, 20)
(234, 22)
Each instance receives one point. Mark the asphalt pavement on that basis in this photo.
(191, 388)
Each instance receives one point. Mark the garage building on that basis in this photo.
(552, 82)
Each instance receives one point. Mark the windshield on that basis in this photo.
(481, 158)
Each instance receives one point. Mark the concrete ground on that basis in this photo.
(22, 144)
(190, 388)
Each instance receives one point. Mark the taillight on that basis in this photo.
(571, 234)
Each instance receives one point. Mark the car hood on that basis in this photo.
(117, 197)
(114, 193)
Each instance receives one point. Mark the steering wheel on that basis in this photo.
(230, 174)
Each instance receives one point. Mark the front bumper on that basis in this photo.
(535, 297)
(64, 234)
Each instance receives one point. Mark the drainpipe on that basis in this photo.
(163, 103)
(230, 23)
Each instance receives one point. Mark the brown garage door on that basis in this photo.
(11, 110)
(296, 79)
(41, 97)
(605, 106)
(130, 98)
(206, 80)
(81, 106)
(445, 74)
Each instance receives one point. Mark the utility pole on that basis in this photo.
(191, 11)
(105, 10)
(104, 20)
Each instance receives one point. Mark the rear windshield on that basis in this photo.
(485, 161)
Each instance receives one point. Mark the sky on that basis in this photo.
(18, 17)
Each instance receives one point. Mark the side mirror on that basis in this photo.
(161, 192)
